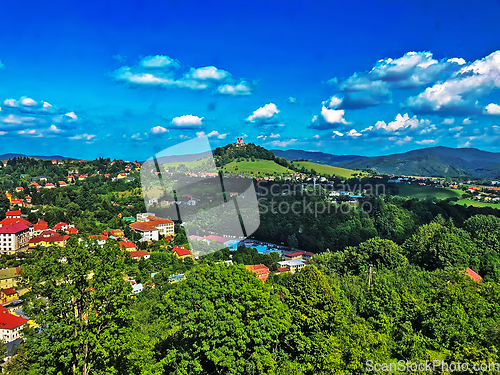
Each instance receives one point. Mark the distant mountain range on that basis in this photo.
(316, 157)
(52, 157)
(432, 161)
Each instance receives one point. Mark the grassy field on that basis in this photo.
(470, 202)
(419, 191)
(326, 169)
(251, 168)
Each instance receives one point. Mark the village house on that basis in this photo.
(128, 245)
(137, 255)
(293, 265)
(165, 227)
(10, 325)
(8, 295)
(298, 255)
(260, 270)
(14, 238)
(62, 184)
(48, 238)
(13, 214)
(147, 232)
(39, 227)
(181, 252)
(8, 277)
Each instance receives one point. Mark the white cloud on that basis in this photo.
(404, 140)
(240, 89)
(467, 121)
(86, 136)
(426, 142)
(335, 132)
(274, 135)
(215, 133)
(10, 102)
(158, 61)
(187, 121)
(158, 130)
(291, 100)
(448, 121)
(333, 116)
(316, 136)
(54, 129)
(401, 122)
(333, 102)
(492, 109)
(353, 133)
(459, 93)
(284, 143)
(208, 73)
(27, 102)
(71, 115)
(264, 114)
(457, 60)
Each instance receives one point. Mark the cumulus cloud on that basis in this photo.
(265, 115)
(208, 73)
(161, 71)
(291, 100)
(459, 93)
(158, 61)
(216, 134)
(187, 121)
(284, 143)
(241, 89)
(412, 70)
(328, 119)
(402, 122)
(337, 133)
(158, 130)
(426, 142)
(84, 136)
(353, 133)
(492, 109)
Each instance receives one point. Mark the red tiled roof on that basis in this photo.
(60, 225)
(99, 236)
(142, 227)
(158, 222)
(181, 251)
(138, 253)
(72, 230)
(41, 225)
(10, 321)
(283, 269)
(9, 291)
(473, 275)
(127, 245)
(219, 239)
(13, 213)
(49, 236)
(299, 253)
(14, 220)
(14, 228)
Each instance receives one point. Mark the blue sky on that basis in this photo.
(126, 80)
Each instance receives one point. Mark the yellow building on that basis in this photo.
(8, 277)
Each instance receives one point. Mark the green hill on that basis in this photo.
(256, 168)
(326, 169)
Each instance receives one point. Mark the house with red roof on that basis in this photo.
(19, 189)
(137, 255)
(10, 325)
(148, 232)
(8, 295)
(16, 202)
(49, 186)
(35, 185)
(62, 184)
(71, 231)
(473, 275)
(60, 226)
(101, 237)
(117, 233)
(165, 227)
(16, 213)
(48, 238)
(27, 199)
(298, 255)
(39, 227)
(14, 237)
(181, 252)
(260, 270)
(128, 245)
